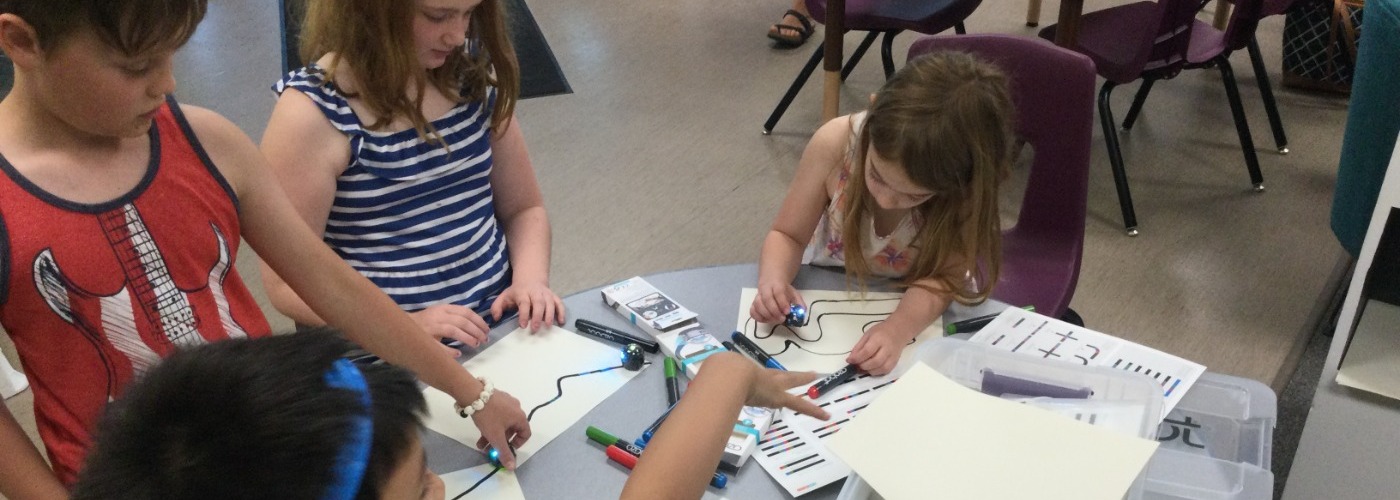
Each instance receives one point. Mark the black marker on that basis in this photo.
(831, 381)
(620, 338)
(754, 350)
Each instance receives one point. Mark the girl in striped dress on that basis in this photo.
(399, 144)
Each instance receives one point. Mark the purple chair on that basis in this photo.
(1052, 89)
(1154, 41)
(889, 17)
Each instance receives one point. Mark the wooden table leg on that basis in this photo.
(831, 59)
(1067, 32)
(1222, 14)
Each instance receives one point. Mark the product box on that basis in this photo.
(646, 307)
(753, 422)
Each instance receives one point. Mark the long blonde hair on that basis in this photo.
(378, 36)
(946, 118)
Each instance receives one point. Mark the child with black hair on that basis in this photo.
(248, 418)
(285, 415)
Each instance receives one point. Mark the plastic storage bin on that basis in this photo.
(1216, 444)
(1123, 401)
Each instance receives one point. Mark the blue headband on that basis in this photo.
(350, 463)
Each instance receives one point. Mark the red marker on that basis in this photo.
(621, 456)
(831, 381)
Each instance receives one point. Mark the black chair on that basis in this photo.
(890, 17)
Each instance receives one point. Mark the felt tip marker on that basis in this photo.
(754, 350)
(629, 460)
(831, 381)
(974, 324)
(651, 429)
(673, 385)
(599, 331)
(602, 437)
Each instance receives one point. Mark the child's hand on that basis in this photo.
(538, 305)
(771, 303)
(433, 489)
(769, 390)
(503, 426)
(878, 350)
(451, 321)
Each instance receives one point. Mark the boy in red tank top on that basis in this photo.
(121, 213)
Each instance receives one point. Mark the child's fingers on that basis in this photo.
(497, 439)
(789, 380)
(805, 406)
(498, 307)
(861, 352)
(524, 312)
(559, 310)
(451, 351)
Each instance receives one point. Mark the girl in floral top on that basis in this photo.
(906, 190)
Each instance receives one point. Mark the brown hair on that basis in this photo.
(378, 36)
(946, 118)
(134, 27)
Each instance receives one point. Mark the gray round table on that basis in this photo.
(572, 467)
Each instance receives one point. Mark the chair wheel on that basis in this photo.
(767, 132)
(1283, 150)
(1132, 231)
(1259, 188)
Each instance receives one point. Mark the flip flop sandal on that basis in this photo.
(783, 36)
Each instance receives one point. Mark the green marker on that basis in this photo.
(974, 324)
(673, 385)
(599, 436)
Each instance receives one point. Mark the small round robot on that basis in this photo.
(796, 316)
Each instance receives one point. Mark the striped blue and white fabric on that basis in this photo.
(414, 218)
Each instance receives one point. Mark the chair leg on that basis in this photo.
(887, 52)
(860, 51)
(1033, 14)
(1115, 158)
(1232, 91)
(793, 90)
(959, 28)
(1137, 103)
(1266, 90)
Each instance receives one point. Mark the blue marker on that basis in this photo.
(651, 429)
(754, 350)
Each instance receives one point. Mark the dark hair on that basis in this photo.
(248, 419)
(132, 26)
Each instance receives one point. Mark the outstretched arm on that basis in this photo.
(681, 459)
(23, 473)
(337, 293)
(802, 209)
(520, 209)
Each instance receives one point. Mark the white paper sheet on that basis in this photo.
(792, 451)
(929, 434)
(503, 485)
(532, 367)
(836, 321)
(1372, 361)
(1021, 331)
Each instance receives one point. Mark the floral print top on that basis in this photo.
(887, 256)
